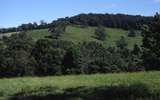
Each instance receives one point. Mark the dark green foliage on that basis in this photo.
(151, 45)
(136, 59)
(70, 62)
(58, 29)
(121, 43)
(49, 59)
(132, 33)
(56, 32)
(100, 33)
(5, 30)
(25, 27)
(111, 20)
(22, 57)
(136, 50)
(16, 59)
(89, 53)
(20, 41)
(2, 45)
(17, 63)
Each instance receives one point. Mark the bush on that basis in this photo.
(100, 33)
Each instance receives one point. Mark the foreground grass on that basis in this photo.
(145, 82)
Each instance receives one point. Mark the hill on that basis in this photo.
(122, 21)
(78, 34)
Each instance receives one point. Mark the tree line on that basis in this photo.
(25, 27)
(111, 20)
(107, 20)
(21, 56)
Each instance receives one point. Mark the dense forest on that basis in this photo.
(20, 55)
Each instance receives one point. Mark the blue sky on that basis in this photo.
(16, 12)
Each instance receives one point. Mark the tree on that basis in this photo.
(56, 32)
(35, 25)
(100, 33)
(70, 65)
(89, 56)
(43, 23)
(151, 44)
(121, 43)
(2, 45)
(136, 50)
(16, 58)
(25, 27)
(48, 57)
(19, 41)
(131, 33)
(111, 20)
(58, 29)
(135, 61)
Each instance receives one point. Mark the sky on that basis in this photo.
(16, 12)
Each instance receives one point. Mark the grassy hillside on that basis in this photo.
(6, 34)
(79, 34)
(83, 86)
(38, 34)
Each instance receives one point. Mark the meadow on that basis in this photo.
(78, 34)
(117, 86)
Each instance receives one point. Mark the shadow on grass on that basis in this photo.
(121, 92)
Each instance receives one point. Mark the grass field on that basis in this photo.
(83, 87)
(78, 34)
(7, 34)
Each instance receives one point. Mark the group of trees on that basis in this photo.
(100, 33)
(107, 20)
(111, 20)
(6, 30)
(25, 27)
(21, 56)
(58, 29)
(121, 43)
(151, 44)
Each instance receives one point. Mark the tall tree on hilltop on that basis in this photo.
(151, 44)
(58, 29)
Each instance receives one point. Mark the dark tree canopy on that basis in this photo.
(132, 33)
(100, 33)
(151, 44)
(121, 43)
(111, 20)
